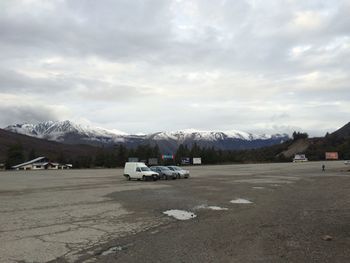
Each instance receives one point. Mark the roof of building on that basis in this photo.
(46, 163)
(36, 160)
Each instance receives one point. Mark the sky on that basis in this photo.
(261, 66)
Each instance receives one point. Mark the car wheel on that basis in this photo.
(178, 176)
(143, 178)
(128, 177)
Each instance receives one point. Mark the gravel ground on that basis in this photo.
(296, 213)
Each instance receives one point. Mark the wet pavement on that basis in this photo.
(98, 216)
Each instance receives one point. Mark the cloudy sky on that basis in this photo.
(161, 65)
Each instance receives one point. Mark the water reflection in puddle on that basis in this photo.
(241, 201)
(211, 207)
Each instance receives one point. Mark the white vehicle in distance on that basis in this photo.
(347, 162)
(299, 158)
(180, 172)
(136, 170)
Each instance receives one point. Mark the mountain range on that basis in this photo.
(68, 132)
(14, 145)
(51, 149)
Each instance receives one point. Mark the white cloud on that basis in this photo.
(308, 20)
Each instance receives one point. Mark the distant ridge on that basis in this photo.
(315, 148)
(70, 133)
(83, 155)
(343, 132)
(53, 150)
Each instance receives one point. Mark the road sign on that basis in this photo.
(168, 157)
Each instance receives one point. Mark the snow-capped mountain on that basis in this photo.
(71, 133)
(197, 135)
(231, 140)
(67, 132)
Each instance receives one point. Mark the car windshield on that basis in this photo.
(164, 168)
(176, 168)
(145, 169)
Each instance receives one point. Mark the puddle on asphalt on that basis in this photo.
(240, 201)
(211, 207)
(180, 214)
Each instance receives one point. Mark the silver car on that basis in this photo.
(164, 172)
(180, 172)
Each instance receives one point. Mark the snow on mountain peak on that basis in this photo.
(54, 130)
(69, 132)
(195, 134)
(112, 131)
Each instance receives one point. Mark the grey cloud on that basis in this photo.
(234, 34)
(108, 92)
(12, 81)
(14, 114)
(63, 87)
(79, 28)
(149, 51)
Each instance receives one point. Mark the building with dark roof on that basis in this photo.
(41, 163)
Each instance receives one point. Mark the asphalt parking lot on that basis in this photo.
(290, 212)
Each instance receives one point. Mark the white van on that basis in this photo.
(136, 170)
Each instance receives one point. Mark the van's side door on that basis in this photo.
(138, 173)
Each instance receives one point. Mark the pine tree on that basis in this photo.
(15, 155)
(31, 155)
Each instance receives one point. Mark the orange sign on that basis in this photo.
(331, 156)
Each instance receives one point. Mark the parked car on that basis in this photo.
(347, 162)
(180, 172)
(164, 172)
(137, 170)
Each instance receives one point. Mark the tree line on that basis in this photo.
(106, 157)
(118, 155)
(109, 157)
